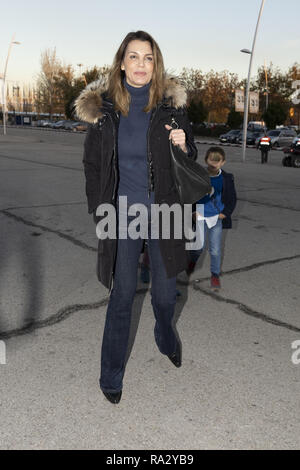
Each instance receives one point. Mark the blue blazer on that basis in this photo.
(228, 198)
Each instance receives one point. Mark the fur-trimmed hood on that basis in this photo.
(89, 103)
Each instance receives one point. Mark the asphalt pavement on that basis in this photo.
(239, 384)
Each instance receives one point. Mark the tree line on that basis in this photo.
(210, 95)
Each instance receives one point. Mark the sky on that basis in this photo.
(199, 34)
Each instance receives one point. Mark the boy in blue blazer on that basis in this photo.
(213, 212)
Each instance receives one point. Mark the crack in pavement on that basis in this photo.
(90, 248)
(244, 269)
(286, 188)
(44, 205)
(61, 315)
(41, 163)
(268, 204)
(65, 312)
(81, 169)
(247, 310)
(58, 317)
(255, 266)
(50, 230)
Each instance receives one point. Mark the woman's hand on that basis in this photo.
(178, 137)
(222, 216)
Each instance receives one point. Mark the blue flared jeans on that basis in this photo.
(118, 316)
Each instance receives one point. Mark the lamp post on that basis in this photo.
(246, 103)
(4, 82)
(266, 82)
(82, 74)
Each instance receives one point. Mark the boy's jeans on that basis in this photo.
(214, 235)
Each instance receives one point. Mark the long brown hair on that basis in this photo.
(117, 90)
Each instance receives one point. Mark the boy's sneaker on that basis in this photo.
(215, 282)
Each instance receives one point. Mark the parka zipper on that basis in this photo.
(150, 167)
(149, 154)
(114, 188)
(114, 158)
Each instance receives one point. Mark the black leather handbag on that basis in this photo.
(192, 181)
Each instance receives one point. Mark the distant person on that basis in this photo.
(127, 153)
(213, 213)
(264, 145)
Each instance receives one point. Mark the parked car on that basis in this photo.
(257, 135)
(69, 125)
(251, 137)
(255, 126)
(230, 136)
(43, 123)
(51, 124)
(58, 125)
(281, 137)
(80, 126)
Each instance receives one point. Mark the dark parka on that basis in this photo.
(101, 164)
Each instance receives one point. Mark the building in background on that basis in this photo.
(20, 97)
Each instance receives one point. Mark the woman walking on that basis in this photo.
(127, 153)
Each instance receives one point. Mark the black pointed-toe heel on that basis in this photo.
(113, 397)
(175, 358)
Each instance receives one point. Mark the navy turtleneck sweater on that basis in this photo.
(132, 148)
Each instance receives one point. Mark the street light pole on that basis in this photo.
(4, 82)
(82, 74)
(246, 103)
(266, 82)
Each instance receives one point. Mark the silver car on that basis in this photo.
(282, 137)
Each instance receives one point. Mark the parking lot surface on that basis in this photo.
(238, 387)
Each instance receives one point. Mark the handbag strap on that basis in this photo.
(174, 123)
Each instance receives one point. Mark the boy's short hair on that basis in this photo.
(216, 154)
